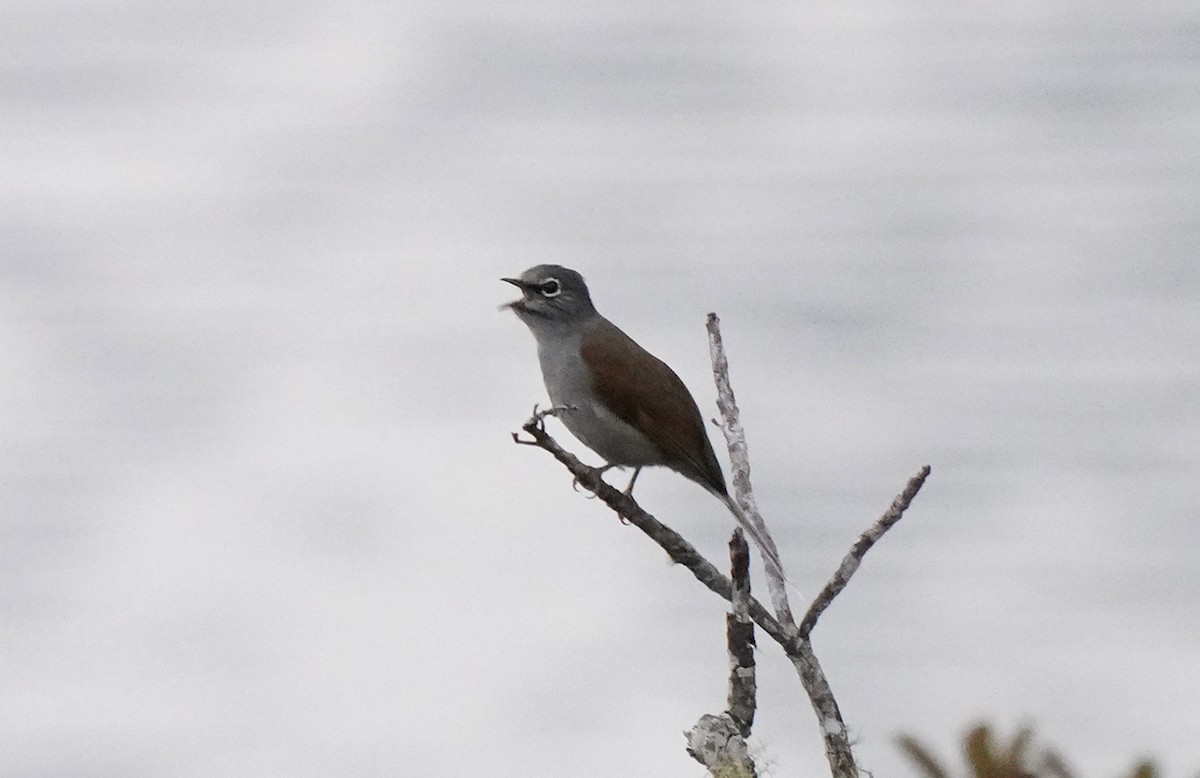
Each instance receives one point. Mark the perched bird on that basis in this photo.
(617, 398)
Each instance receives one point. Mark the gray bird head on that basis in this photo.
(552, 295)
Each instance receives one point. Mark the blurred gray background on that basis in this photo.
(260, 513)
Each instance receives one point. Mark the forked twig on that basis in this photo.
(854, 557)
(781, 628)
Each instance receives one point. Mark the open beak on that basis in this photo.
(515, 304)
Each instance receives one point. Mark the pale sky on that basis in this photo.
(260, 512)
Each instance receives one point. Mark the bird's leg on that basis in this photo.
(636, 472)
(629, 489)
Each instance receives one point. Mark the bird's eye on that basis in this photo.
(550, 288)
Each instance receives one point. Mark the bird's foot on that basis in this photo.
(537, 423)
(596, 472)
(539, 415)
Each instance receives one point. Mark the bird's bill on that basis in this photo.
(517, 306)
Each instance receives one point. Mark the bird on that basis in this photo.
(617, 398)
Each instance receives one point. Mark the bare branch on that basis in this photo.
(672, 542)
(721, 738)
(829, 716)
(716, 743)
(719, 742)
(739, 633)
(739, 458)
(852, 559)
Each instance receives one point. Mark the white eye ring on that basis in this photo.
(550, 288)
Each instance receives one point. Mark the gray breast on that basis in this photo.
(569, 384)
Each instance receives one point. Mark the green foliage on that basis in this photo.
(988, 757)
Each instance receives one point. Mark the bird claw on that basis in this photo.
(539, 416)
(597, 472)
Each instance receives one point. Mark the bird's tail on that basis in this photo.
(766, 546)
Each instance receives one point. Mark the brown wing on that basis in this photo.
(643, 392)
